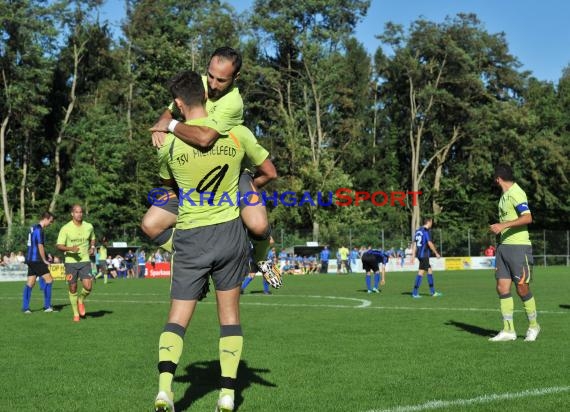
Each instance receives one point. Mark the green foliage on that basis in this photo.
(331, 115)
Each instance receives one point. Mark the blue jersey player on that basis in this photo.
(422, 246)
(372, 260)
(37, 263)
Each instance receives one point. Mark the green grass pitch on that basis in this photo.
(318, 344)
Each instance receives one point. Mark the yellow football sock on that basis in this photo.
(530, 308)
(73, 300)
(507, 309)
(231, 345)
(83, 295)
(169, 350)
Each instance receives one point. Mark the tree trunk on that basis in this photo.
(315, 231)
(418, 116)
(23, 182)
(3, 128)
(5, 202)
(77, 56)
(441, 156)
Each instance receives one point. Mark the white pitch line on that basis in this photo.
(477, 400)
(364, 304)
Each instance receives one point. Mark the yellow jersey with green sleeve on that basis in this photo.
(223, 114)
(72, 235)
(208, 179)
(512, 204)
(226, 112)
(162, 152)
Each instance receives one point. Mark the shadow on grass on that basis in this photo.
(98, 314)
(565, 306)
(476, 330)
(58, 308)
(204, 377)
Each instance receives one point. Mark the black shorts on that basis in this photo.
(514, 262)
(424, 263)
(73, 271)
(370, 263)
(37, 269)
(220, 250)
(245, 186)
(171, 205)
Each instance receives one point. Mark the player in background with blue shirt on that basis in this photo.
(371, 261)
(422, 245)
(38, 264)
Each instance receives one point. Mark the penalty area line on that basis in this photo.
(440, 404)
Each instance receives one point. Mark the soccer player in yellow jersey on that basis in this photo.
(210, 240)
(77, 239)
(514, 255)
(225, 110)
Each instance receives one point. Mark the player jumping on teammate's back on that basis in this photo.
(209, 242)
(225, 110)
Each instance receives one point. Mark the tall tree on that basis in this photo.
(438, 79)
(28, 40)
(305, 99)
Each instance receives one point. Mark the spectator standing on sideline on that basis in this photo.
(343, 252)
(354, 255)
(325, 254)
(130, 262)
(141, 259)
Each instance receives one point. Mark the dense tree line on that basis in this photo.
(433, 110)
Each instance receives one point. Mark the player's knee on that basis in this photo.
(523, 290)
(146, 227)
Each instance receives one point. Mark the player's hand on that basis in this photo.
(382, 282)
(496, 228)
(159, 131)
(158, 139)
(437, 255)
(74, 249)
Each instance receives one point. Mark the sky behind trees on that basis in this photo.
(537, 32)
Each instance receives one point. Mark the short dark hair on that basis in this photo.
(230, 54)
(47, 215)
(504, 172)
(188, 87)
(428, 219)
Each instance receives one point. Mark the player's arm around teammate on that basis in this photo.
(225, 110)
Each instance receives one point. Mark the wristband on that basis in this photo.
(172, 125)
